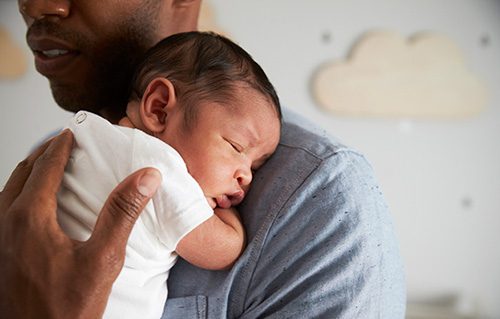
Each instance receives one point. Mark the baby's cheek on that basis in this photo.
(217, 178)
(213, 174)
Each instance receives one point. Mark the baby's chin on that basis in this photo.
(211, 201)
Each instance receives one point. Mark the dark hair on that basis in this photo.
(203, 66)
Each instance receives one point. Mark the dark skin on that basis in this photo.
(47, 274)
(82, 48)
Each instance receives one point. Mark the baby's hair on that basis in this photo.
(203, 66)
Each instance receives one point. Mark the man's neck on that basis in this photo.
(111, 114)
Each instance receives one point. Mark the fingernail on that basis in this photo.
(149, 182)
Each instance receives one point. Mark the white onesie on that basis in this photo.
(104, 154)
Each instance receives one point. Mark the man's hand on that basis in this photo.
(45, 274)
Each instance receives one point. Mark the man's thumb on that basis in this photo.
(122, 208)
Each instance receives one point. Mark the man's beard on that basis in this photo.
(111, 60)
(107, 84)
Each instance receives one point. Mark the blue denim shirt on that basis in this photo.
(321, 242)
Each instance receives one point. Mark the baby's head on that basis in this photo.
(207, 98)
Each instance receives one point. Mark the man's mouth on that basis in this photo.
(52, 53)
(54, 61)
(52, 56)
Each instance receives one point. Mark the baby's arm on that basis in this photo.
(216, 243)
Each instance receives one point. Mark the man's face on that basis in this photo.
(88, 49)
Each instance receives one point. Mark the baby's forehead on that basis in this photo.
(246, 111)
(246, 93)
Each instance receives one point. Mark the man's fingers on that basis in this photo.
(18, 178)
(120, 212)
(47, 172)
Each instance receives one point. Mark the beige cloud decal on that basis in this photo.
(12, 58)
(388, 75)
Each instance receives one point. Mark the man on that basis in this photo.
(320, 240)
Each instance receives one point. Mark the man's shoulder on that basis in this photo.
(315, 214)
(299, 133)
(306, 147)
(316, 225)
(307, 162)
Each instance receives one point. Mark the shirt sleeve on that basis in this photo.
(332, 252)
(179, 205)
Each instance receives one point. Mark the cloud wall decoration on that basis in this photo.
(388, 75)
(12, 59)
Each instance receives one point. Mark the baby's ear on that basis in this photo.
(157, 99)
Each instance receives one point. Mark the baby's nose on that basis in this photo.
(244, 177)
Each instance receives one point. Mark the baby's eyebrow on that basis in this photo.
(251, 136)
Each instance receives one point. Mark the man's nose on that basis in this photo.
(39, 9)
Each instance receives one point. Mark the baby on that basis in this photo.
(204, 113)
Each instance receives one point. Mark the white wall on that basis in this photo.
(27, 111)
(441, 177)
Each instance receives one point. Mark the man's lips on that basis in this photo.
(51, 53)
(45, 42)
(52, 56)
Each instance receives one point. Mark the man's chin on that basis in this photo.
(99, 98)
(70, 106)
(69, 101)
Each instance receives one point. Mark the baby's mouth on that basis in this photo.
(223, 201)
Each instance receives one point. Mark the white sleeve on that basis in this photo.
(179, 205)
(100, 159)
